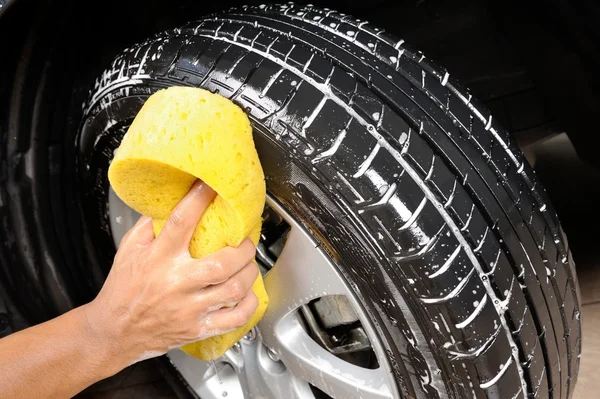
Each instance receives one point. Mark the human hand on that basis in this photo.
(157, 297)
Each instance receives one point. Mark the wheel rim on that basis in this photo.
(279, 358)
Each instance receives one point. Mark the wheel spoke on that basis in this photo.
(204, 379)
(302, 273)
(254, 374)
(267, 378)
(306, 359)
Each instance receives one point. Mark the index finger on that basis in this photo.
(179, 228)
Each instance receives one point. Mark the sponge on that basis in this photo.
(182, 134)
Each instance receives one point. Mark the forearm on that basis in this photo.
(55, 359)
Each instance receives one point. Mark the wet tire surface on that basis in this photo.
(436, 218)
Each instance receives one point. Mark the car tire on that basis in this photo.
(428, 207)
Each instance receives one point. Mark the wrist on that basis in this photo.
(101, 342)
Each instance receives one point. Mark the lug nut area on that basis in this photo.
(273, 355)
(251, 335)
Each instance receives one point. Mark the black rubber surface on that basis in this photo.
(437, 218)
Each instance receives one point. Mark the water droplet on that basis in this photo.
(403, 138)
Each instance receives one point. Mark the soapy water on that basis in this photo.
(213, 364)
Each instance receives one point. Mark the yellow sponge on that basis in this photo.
(182, 134)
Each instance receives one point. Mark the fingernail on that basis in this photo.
(198, 185)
